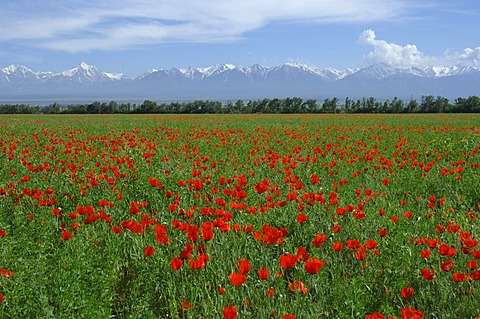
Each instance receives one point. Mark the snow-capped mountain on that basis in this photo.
(227, 81)
(83, 73)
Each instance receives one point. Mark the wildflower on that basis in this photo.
(411, 313)
(314, 265)
(237, 279)
(319, 240)
(428, 274)
(66, 235)
(337, 246)
(263, 273)
(297, 285)
(287, 261)
(176, 263)
(230, 312)
(407, 293)
(149, 251)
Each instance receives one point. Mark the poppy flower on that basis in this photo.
(187, 305)
(297, 285)
(230, 312)
(301, 218)
(263, 273)
(457, 277)
(472, 264)
(447, 265)
(176, 263)
(270, 292)
(244, 266)
(407, 292)
(149, 251)
(361, 253)
(314, 265)
(319, 240)
(426, 253)
(66, 235)
(287, 261)
(428, 274)
(411, 313)
(237, 279)
(382, 232)
(288, 316)
(376, 315)
(371, 244)
(337, 246)
(353, 244)
(1, 297)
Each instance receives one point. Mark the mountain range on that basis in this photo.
(85, 82)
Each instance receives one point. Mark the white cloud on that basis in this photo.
(468, 56)
(393, 54)
(408, 55)
(79, 25)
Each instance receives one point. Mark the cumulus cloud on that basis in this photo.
(392, 53)
(468, 56)
(408, 55)
(80, 25)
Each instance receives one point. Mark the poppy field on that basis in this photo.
(240, 216)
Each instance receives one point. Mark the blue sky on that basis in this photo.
(132, 36)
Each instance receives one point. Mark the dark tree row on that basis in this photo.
(428, 104)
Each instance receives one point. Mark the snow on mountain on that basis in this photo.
(228, 80)
(442, 71)
(83, 73)
(16, 74)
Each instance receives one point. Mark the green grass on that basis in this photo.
(101, 274)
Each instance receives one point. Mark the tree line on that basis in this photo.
(427, 104)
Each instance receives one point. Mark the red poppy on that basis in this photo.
(244, 266)
(187, 305)
(237, 279)
(314, 265)
(297, 285)
(149, 251)
(1, 297)
(426, 253)
(287, 261)
(457, 277)
(371, 244)
(263, 273)
(407, 293)
(301, 218)
(361, 253)
(447, 265)
(376, 315)
(428, 274)
(472, 264)
(411, 313)
(230, 312)
(382, 232)
(66, 235)
(353, 244)
(319, 240)
(176, 263)
(270, 292)
(288, 316)
(337, 246)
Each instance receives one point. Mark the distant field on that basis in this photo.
(240, 216)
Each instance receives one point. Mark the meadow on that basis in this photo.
(240, 216)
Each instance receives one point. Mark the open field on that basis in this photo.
(240, 216)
